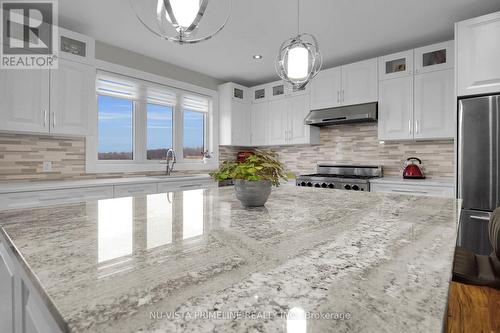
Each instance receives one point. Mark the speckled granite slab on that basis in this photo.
(312, 260)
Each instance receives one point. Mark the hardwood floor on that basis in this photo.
(473, 309)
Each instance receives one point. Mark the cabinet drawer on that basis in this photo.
(130, 190)
(419, 190)
(52, 197)
(172, 187)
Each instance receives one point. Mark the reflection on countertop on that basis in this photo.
(108, 265)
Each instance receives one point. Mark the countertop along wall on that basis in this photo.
(358, 144)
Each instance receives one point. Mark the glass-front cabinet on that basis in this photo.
(396, 65)
(434, 57)
(76, 47)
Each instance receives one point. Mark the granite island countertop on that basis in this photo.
(196, 261)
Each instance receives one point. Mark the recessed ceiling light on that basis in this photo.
(257, 56)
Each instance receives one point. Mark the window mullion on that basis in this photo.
(140, 140)
(178, 130)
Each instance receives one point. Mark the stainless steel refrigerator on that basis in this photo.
(478, 169)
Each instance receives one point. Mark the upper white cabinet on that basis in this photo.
(55, 101)
(434, 57)
(395, 118)
(434, 105)
(478, 54)
(278, 122)
(419, 103)
(360, 82)
(24, 100)
(351, 84)
(234, 115)
(326, 88)
(260, 114)
(396, 65)
(72, 96)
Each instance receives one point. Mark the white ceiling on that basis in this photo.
(347, 30)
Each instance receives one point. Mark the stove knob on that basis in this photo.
(324, 185)
(355, 188)
(317, 185)
(331, 186)
(303, 184)
(309, 184)
(347, 187)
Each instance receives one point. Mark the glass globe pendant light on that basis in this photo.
(299, 59)
(177, 21)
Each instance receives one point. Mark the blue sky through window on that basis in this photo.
(115, 119)
(160, 129)
(194, 134)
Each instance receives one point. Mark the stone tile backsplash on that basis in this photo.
(358, 144)
(22, 156)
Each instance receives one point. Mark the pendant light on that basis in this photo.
(299, 59)
(178, 21)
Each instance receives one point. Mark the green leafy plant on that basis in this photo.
(260, 166)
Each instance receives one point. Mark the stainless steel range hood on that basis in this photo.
(343, 115)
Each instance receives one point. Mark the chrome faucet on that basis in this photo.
(170, 159)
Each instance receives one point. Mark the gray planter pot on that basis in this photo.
(252, 193)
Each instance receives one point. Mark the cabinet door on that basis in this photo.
(478, 53)
(278, 122)
(240, 123)
(434, 105)
(395, 65)
(24, 100)
(72, 97)
(298, 108)
(360, 82)
(260, 124)
(434, 57)
(325, 89)
(396, 109)
(7, 292)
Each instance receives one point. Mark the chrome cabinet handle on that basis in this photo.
(409, 191)
(417, 130)
(53, 119)
(44, 118)
(409, 126)
(479, 218)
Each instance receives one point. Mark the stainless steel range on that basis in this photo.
(342, 177)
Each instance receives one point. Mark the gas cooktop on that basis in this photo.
(344, 177)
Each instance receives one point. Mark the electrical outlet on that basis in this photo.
(47, 166)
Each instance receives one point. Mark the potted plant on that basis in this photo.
(253, 178)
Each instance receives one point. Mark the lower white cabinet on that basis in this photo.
(178, 186)
(22, 309)
(52, 197)
(135, 189)
(414, 189)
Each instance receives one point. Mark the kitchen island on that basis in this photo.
(196, 261)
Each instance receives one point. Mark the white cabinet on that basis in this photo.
(326, 88)
(234, 115)
(56, 101)
(396, 65)
(360, 82)
(24, 100)
(278, 122)
(7, 291)
(478, 54)
(286, 122)
(434, 105)
(351, 84)
(120, 191)
(72, 97)
(414, 189)
(260, 115)
(417, 104)
(396, 109)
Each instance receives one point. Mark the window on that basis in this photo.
(115, 125)
(160, 131)
(194, 134)
(139, 121)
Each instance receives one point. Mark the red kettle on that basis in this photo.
(412, 170)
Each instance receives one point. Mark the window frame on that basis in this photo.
(140, 163)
